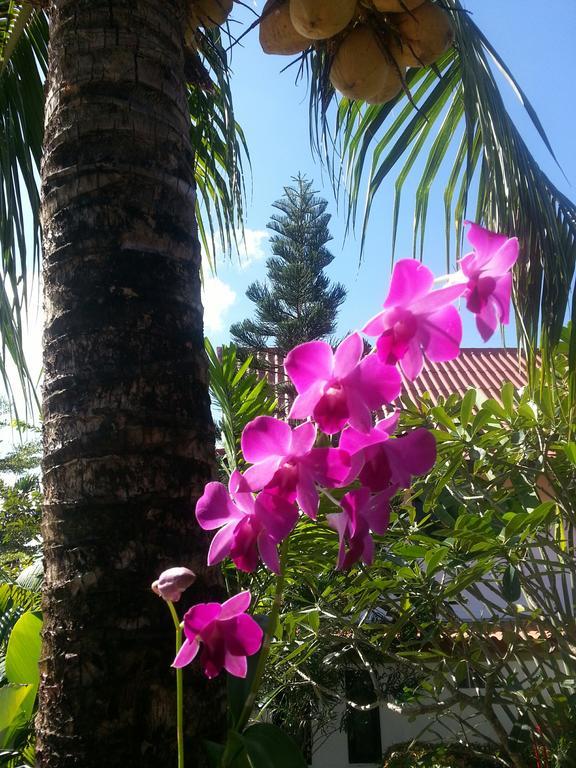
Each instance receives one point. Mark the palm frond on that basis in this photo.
(23, 56)
(220, 150)
(456, 119)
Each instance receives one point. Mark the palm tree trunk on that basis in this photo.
(128, 435)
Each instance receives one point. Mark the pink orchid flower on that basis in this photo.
(361, 513)
(173, 582)
(339, 387)
(489, 285)
(416, 320)
(223, 633)
(248, 526)
(286, 463)
(390, 462)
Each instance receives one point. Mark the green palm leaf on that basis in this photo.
(456, 119)
(220, 148)
(23, 55)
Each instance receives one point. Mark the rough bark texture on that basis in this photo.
(128, 434)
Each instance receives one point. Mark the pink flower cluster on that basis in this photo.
(337, 393)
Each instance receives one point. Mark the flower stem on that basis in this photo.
(179, 688)
(264, 653)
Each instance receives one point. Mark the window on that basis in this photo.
(362, 726)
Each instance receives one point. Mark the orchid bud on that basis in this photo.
(172, 583)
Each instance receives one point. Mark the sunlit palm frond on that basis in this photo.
(220, 148)
(23, 55)
(455, 124)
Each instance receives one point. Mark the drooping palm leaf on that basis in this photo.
(23, 55)
(456, 119)
(220, 148)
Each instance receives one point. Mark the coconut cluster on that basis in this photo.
(370, 42)
(206, 14)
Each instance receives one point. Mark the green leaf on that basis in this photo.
(436, 558)
(270, 747)
(570, 451)
(468, 403)
(23, 653)
(14, 711)
(238, 689)
(511, 587)
(507, 393)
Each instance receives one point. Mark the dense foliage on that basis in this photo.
(471, 587)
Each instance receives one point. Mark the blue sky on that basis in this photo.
(273, 110)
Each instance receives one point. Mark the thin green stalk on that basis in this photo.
(179, 688)
(264, 653)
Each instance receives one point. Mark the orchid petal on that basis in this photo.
(260, 475)
(443, 331)
(347, 356)
(267, 546)
(304, 404)
(241, 492)
(438, 299)
(413, 361)
(308, 363)
(214, 508)
(368, 550)
(276, 515)
(484, 241)
(329, 466)
(187, 653)
(237, 666)
(378, 514)
(199, 617)
(374, 382)
(411, 454)
(503, 259)
(353, 440)
(221, 544)
(487, 320)
(306, 493)
(243, 636)
(377, 325)
(501, 296)
(265, 437)
(360, 416)
(331, 412)
(410, 281)
(235, 605)
(389, 425)
(303, 438)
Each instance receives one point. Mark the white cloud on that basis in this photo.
(217, 298)
(251, 249)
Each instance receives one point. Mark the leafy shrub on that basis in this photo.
(439, 756)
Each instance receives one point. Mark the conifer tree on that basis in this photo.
(298, 302)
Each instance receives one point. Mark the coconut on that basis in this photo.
(277, 33)
(364, 69)
(426, 34)
(210, 13)
(321, 19)
(396, 6)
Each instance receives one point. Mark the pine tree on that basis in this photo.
(298, 303)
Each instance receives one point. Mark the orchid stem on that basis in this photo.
(264, 653)
(179, 688)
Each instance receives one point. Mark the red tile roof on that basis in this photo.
(480, 368)
(485, 370)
